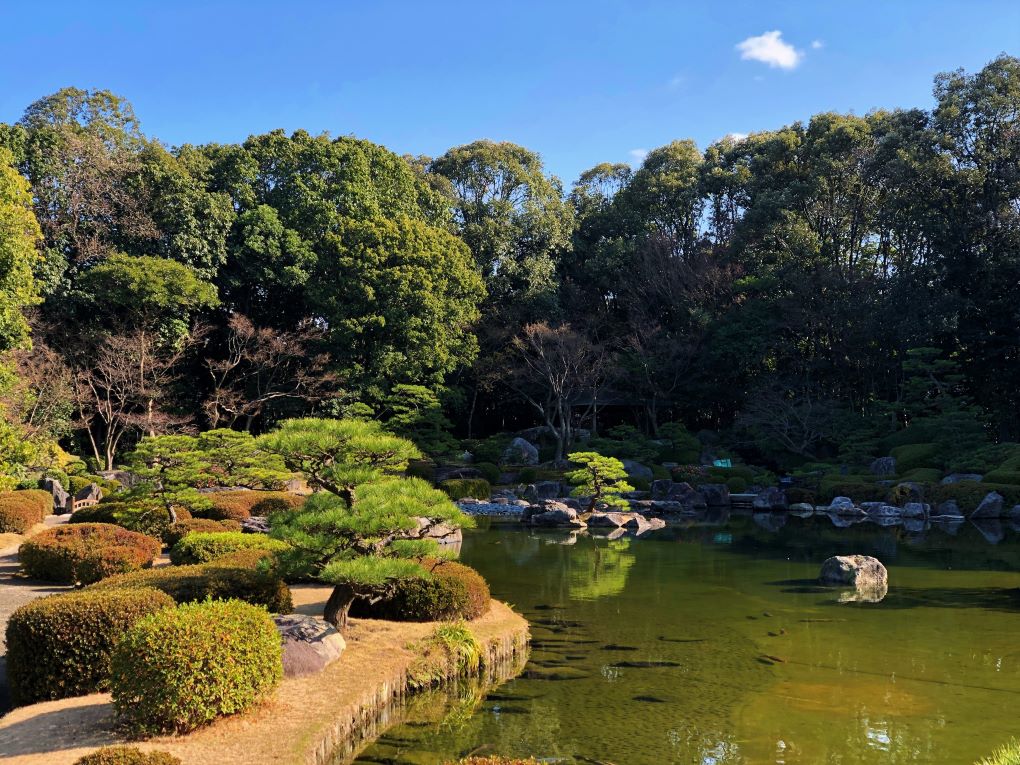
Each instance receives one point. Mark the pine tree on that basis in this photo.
(603, 479)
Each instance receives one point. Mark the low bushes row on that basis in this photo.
(181, 668)
(177, 531)
(235, 576)
(86, 553)
(452, 591)
(21, 510)
(239, 505)
(60, 646)
(203, 546)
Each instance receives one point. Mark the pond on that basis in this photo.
(709, 642)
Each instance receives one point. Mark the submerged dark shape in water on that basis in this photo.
(682, 640)
(645, 664)
(500, 710)
(511, 697)
(617, 647)
(649, 699)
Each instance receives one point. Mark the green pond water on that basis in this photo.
(710, 643)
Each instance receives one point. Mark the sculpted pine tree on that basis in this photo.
(365, 528)
(602, 479)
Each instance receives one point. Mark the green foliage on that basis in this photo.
(603, 479)
(488, 449)
(127, 755)
(181, 668)
(177, 531)
(86, 553)
(228, 577)
(490, 471)
(968, 494)
(459, 488)
(238, 505)
(912, 456)
(844, 486)
(451, 651)
(204, 546)
(1003, 476)
(453, 591)
(19, 235)
(416, 413)
(736, 484)
(60, 646)
(1008, 754)
(924, 475)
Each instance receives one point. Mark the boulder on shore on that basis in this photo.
(60, 495)
(771, 498)
(635, 469)
(715, 494)
(843, 506)
(310, 644)
(520, 452)
(883, 466)
(991, 506)
(860, 571)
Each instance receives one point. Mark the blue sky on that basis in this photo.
(579, 82)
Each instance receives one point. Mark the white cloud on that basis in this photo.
(770, 48)
(638, 155)
(817, 45)
(735, 137)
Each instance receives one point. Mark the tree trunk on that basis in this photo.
(338, 605)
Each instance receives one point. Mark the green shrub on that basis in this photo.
(640, 484)
(76, 483)
(86, 553)
(203, 546)
(104, 512)
(276, 502)
(142, 514)
(422, 469)
(60, 646)
(660, 473)
(242, 504)
(1011, 477)
(177, 531)
(229, 577)
(736, 484)
(181, 668)
(859, 491)
(490, 471)
(489, 449)
(454, 591)
(126, 755)
(459, 488)
(800, 494)
(968, 494)
(913, 456)
(75, 467)
(527, 475)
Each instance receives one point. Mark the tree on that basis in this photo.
(366, 529)
(262, 368)
(416, 413)
(601, 479)
(399, 298)
(552, 368)
(19, 236)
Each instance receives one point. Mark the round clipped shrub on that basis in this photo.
(736, 484)
(459, 488)
(453, 591)
(181, 668)
(490, 471)
(202, 547)
(278, 501)
(60, 646)
(229, 577)
(175, 532)
(127, 755)
(86, 553)
(239, 505)
(21, 510)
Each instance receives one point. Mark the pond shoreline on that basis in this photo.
(316, 720)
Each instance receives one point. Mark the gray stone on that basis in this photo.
(660, 488)
(602, 520)
(949, 510)
(443, 533)
(990, 528)
(916, 510)
(801, 507)
(544, 490)
(255, 525)
(957, 477)
(771, 498)
(843, 506)
(716, 494)
(909, 491)
(559, 517)
(639, 524)
(880, 510)
(860, 571)
(60, 495)
(686, 495)
(125, 478)
(883, 466)
(310, 644)
(520, 452)
(991, 506)
(637, 470)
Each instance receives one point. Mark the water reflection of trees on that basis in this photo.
(599, 568)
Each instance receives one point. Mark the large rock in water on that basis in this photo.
(990, 507)
(771, 498)
(637, 470)
(520, 452)
(716, 494)
(860, 571)
(844, 506)
(310, 644)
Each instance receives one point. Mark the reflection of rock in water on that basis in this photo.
(864, 595)
(990, 528)
(950, 526)
(915, 525)
(770, 521)
(844, 521)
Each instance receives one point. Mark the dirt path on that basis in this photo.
(15, 591)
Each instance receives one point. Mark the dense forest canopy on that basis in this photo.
(802, 292)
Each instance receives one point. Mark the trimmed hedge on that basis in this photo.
(126, 755)
(145, 516)
(203, 547)
(60, 646)
(230, 578)
(21, 510)
(177, 531)
(859, 491)
(490, 471)
(1011, 477)
(239, 505)
(454, 591)
(86, 553)
(182, 668)
(913, 456)
(459, 488)
(968, 494)
(922, 475)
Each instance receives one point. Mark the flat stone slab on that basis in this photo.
(310, 644)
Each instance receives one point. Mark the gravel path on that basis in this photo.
(15, 592)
